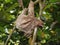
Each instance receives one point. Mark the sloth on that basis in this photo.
(27, 23)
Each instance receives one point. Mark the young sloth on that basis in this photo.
(27, 23)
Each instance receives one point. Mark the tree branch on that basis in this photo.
(31, 13)
(40, 13)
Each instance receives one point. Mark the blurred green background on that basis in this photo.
(9, 10)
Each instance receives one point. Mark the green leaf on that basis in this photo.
(43, 41)
(2, 29)
(10, 17)
(7, 1)
(12, 7)
(53, 1)
(47, 16)
(48, 6)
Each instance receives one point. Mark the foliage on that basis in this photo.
(9, 10)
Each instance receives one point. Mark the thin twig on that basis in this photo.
(36, 1)
(9, 36)
(53, 24)
(21, 4)
(56, 3)
(41, 7)
(34, 36)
